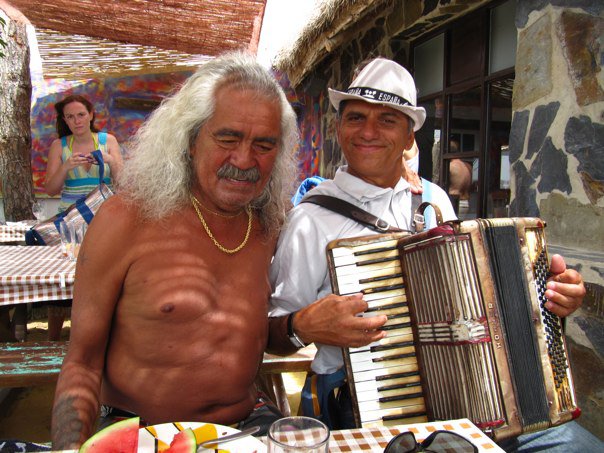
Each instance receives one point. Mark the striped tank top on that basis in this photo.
(80, 182)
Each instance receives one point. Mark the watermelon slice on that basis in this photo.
(183, 442)
(121, 437)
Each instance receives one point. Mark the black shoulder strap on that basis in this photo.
(417, 221)
(351, 211)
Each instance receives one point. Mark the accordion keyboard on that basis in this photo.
(384, 376)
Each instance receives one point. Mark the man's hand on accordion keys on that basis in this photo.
(334, 320)
(565, 289)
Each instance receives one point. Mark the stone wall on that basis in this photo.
(557, 136)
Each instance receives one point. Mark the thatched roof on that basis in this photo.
(335, 22)
(172, 30)
(70, 56)
(338, 22)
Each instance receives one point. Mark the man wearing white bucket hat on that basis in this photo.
(377, 118)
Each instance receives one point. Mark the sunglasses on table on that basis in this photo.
(437, 442)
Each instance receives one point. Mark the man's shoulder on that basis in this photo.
(433, 190)
(117, 210)
(433, 193)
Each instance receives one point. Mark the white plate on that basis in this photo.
(150, 438)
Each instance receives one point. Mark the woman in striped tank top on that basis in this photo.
(71, 170)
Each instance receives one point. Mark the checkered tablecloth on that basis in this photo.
(14, 232)
(376, 439)
(34, 274)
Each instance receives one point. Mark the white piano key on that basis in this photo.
(376, 405)
(349, 247)
(373, 387)
(356, 287)
(373, 374)
(376, 304)
(355, 272)
(379, 357)
(399, 292)
(394, 336)
(375, 395)
(402, 412)
(345, 259)
(388, 423)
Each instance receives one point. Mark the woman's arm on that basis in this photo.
(114, 156)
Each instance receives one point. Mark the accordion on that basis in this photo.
(468, 334)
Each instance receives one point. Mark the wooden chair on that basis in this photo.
(270, 376)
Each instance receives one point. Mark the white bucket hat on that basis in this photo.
(384, 82)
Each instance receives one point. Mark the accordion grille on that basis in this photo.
(454, 341)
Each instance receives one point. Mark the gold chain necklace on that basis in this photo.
(218, 244)
(200, 204)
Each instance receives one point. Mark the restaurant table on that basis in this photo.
(14, 231)
(376, 439)
(34, 274)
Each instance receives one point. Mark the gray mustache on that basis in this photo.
(229, 171)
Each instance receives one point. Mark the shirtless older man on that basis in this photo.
(171, 295)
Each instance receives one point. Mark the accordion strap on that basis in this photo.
(351, 211)
(418, 216)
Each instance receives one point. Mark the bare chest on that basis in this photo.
(182, 278)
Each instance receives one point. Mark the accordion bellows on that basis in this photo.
(468, 334)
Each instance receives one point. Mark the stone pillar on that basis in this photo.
(557, 136)
(557, 155)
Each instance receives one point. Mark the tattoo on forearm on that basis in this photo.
(67, 425)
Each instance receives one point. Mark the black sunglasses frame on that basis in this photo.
(425, 444)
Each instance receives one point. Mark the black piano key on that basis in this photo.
(375, 250)
(396, 326)
(393, 357)
(382, 289)
(385, 347)
(380, 278)
(389, 399)
(385, 388)
(388, 307)
(396, 376)
(377, 261)
(388, 418)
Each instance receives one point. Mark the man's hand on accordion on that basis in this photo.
(334, 320)
(565, 289)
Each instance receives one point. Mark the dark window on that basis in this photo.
(465, 138)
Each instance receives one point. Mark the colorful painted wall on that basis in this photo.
(105, 94)
(123, 122)
(307, 108)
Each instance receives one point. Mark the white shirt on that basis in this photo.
(413, 163)
(299, 273)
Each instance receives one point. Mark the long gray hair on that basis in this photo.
(158, 174)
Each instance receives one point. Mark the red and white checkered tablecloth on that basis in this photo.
(34, 274)
(376, 439)
(14, 232)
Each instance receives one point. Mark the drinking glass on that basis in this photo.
(297, 435)
(67, 238)
(37, 210)
(79, 232)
